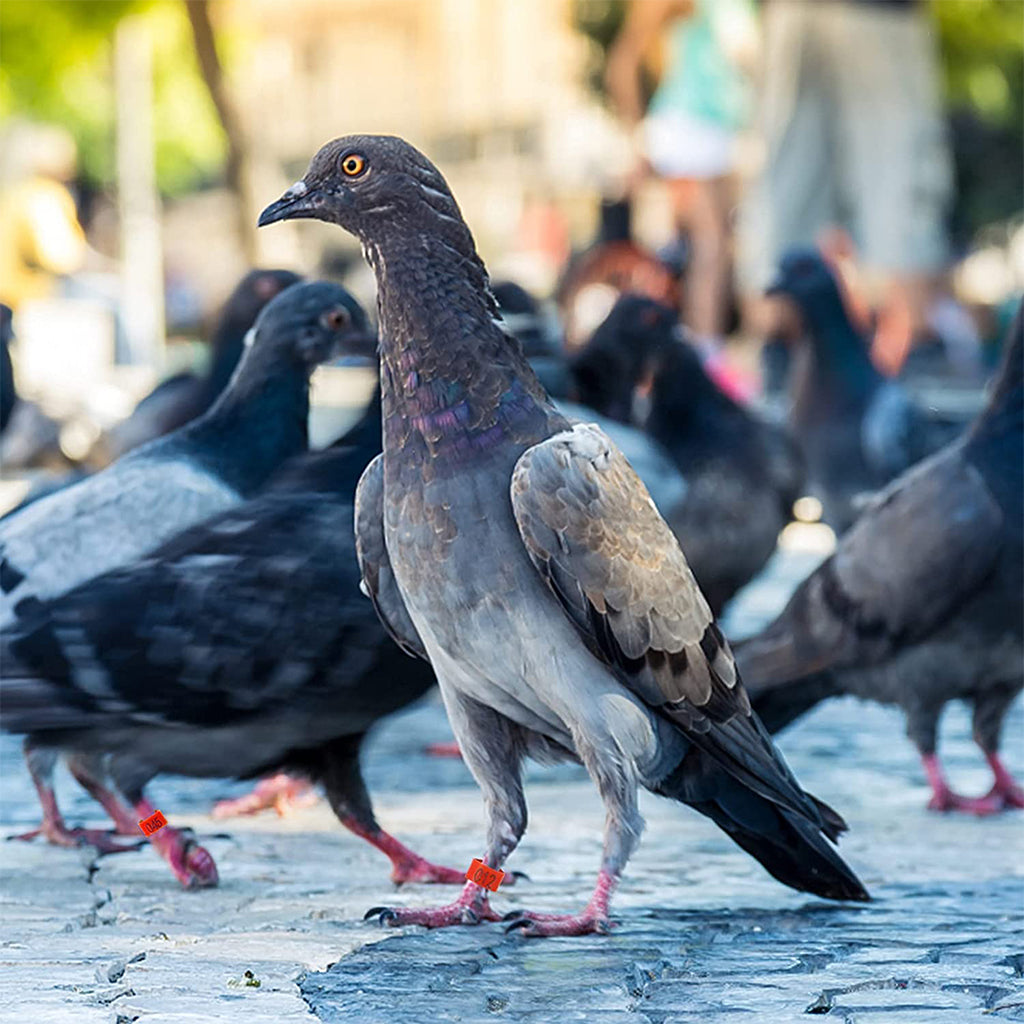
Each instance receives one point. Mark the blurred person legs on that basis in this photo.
(853, 137)
(689, 132)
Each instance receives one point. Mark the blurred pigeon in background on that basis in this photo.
(527, 560)
(180, 399)
(239, 647)
(742, 474)
(922, 601)
(857, 429)
(212, 463)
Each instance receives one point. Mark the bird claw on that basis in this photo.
(384, 915)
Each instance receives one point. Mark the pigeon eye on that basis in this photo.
(353, 164)
(334, 319)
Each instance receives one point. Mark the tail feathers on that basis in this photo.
(792, 847)
(781, 704)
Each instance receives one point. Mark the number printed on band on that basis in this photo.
(489, 878)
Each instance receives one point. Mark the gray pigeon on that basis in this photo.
(214, 462)
(923, 600)
(857, 429)
(528, 561)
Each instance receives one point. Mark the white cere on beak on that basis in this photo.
(250, 337)
(298, 189)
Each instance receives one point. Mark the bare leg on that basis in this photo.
(41, 762)
(350, 801)
(944, 799)
(623, 824)
(493, 749)
(284, 793)
(191, 864)
(989, 714)
(704, 207)
(88, 772)
(1005, 787)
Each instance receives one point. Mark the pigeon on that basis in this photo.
(215, 462)
(525, 320)
(242, 645)
(858, 430)
(743, 475)
(8, 391)
(526, 559)
(180, 399)
(921, 603)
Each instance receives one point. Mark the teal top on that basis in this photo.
(701, 79)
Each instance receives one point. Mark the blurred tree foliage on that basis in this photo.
(57, 67)
(982, 46)
(982, 57)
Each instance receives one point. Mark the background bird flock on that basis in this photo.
(550, 538)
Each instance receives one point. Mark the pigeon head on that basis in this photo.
(804, 277)
(370, 185)
(622, 354)
(250, 295)
(311, 323)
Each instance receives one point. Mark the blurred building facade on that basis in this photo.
(493, 91)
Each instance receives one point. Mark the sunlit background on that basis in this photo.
(165, 127)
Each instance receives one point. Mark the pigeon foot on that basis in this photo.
(281, 792)
(982, 806)
(592, 920)
(1005, 787)
(419, 869)
(58, 834)
(536, 926)
(471, 907)
(443, 750)
(191, 864)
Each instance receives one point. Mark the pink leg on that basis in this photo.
(40, 763)
(58, 834)
(471, 907)
(282, 792)
(593, 918)
(944, 799)
(406, 864)
(1005, 787)
(192, 865)
(443, 750)
(88, 778)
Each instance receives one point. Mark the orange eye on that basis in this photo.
(353, 164)
(335, 318)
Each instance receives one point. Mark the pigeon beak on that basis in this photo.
(299, 201)
(777, 287)
(361, 344)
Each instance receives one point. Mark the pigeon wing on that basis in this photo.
(594, 534)
(379, 583)
(921, 547)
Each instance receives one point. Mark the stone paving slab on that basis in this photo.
(704, 933)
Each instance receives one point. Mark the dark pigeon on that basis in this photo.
(742, 474)
(241, 646)
(180, 399)
(8, 391)
(921, 603)
(857, 428)
(526, 322)
(525, 557)
(215, 462)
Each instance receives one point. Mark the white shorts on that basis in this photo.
(681, 146)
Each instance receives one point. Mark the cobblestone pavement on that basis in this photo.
(704, 934)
